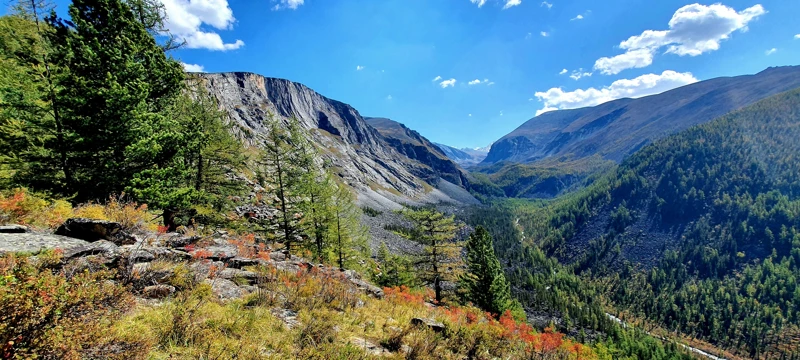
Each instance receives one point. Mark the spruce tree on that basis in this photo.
(485, 284)
(113, 97)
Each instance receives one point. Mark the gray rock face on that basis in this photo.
(379, 174)
(34, 243)
(464, 156)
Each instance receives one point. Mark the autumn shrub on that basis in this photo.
(129, 214)
(47, 315)
(20, 206)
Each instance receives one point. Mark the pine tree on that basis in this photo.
(396, 270)
(440, 260)
(484, 281)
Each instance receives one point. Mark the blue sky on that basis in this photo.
(382, 56)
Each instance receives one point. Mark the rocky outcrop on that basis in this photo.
(35, 243)
(377, 171)
(94, 230)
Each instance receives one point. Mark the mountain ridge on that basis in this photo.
(617, 128)
(358, 153)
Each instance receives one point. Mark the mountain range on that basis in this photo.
(464, 156)
(618, 128)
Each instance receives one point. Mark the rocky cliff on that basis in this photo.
(618, 128)
(381, 176)
(432, 165)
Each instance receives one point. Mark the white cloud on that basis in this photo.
(470, 115)
(446, 83)
(490, 83)
(797, 36)
(474, 82)
(562, 72)
(359, 68)
(436, 79)
(547, 4)
(579, 17)
(186, 18)
(389, 97)
(512, 3)
(287, 4)
(638, 58)
(193, 67)
(644, 85)
(501, 112)
(479, 2)
(693, 30)
(771, 51)
(478, 81)
(577, 74)
(544, 33)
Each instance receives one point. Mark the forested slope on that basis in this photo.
(700, 231)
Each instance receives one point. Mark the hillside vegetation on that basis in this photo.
(698, 232)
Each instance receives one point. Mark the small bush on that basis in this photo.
(371, 212)
(21, 206)
(47, 315)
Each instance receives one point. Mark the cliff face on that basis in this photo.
(432, 162)
(380, 174)
(618, 128)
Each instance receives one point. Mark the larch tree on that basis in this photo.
(440, 260)
(348, 235)
(282, 172)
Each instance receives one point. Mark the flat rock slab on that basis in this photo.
(13, 229)
(34, 243)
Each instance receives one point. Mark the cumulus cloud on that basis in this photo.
(189, 20)
(579, 17)
(474, 82)
(478, 81)
(638, 58)
(544, 33)
(436, 79)
(446, 83)
(547, 4)
(359, 68)
(287, 4)
(193, 67)
(512, 3)
(771, 51)
(797, 36)
(562, 72)
(693, 30)
(648, 84)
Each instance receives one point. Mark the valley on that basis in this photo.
(151, 209)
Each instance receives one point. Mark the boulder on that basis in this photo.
(158, 291)
(355, 279)
(103, 248)
(92, 230)
(13, 229)
(34, 243)
(233, 274)
(288, 317)
(225, 289)
(368, 346)
(178, 240)
(429, 323)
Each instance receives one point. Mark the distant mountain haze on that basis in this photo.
(464, 156)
